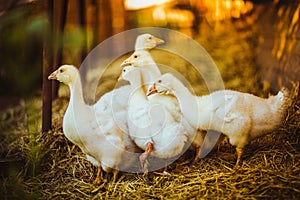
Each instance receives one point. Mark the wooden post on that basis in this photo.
(82, 22)
(105, 20)
(59, 43)
(47, 69)
(82, 54)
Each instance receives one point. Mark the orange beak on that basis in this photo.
(120, 78)
(126, 62)
(158, 41)
(53, 76)
(152, 90)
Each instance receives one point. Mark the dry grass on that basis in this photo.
(270, 169)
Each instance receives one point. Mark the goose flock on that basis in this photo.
(157, 115)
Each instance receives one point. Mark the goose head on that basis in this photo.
(66, 74)
(162, 86)
(147, 41)
(139, 58)
(127, 73)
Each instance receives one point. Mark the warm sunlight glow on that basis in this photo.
(177, 17)
(139, 4)
(222, 9)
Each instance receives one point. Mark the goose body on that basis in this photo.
(100, 130)
(92, 129)
(142, 59)
(151, 126)
(242, 117)
(115, 102)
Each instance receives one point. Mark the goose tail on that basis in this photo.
(285, 98)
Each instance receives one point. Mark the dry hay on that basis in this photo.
(13, 134)
(270, 169)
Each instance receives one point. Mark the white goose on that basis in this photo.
(151, 126)
(115, 102)
(142, 59)
(93, 129)
(103, 123)
(147, 41)
(242, 117)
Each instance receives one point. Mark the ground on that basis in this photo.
(56, 169)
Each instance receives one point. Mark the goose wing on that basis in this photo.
(223, 106)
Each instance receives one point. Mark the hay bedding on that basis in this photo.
(270, 169)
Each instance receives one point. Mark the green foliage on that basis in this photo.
(73, 42)
(35, 151)
(12, 187)
(21, 149)
(21, 34)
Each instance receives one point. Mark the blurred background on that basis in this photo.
(255, 44)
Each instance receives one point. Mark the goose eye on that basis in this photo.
(150, 37)
(135, 56)
(124, 70)
(61, 70)
(159, 81)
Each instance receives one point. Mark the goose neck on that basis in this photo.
(188, 103)
(138, 91)
(76, 94)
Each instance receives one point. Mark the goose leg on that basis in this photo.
(197, 157)
(166, 167)
(222, 139)
(143, 157)
(165, 172)
(98, 179)
(239, 151)
(115, 174)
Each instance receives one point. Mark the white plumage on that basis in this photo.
(115, 102)
(242, 117)
(142, 59)
(151, 126)
(100, 130)
(92, 128)
(146, 42)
